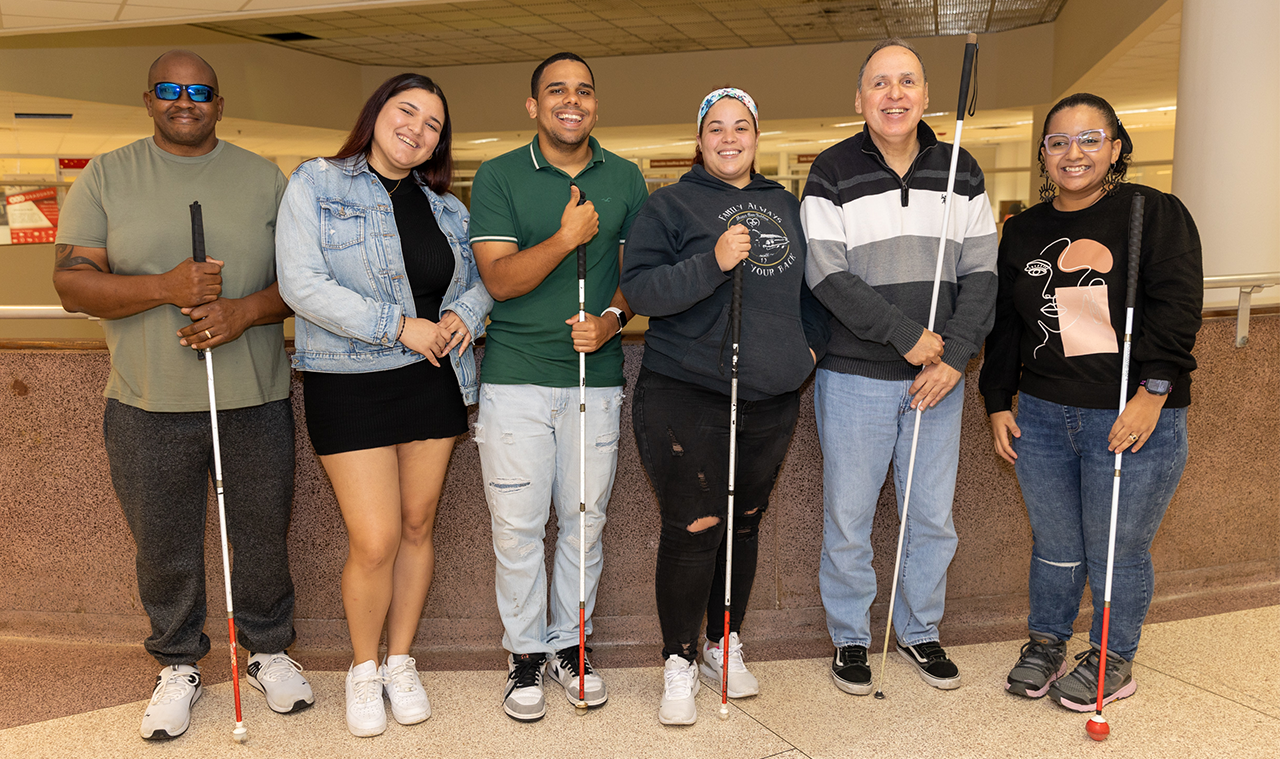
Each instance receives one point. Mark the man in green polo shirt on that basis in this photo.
(526, 226)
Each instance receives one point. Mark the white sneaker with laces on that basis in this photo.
(365, 713)
(169, 712)
(280, 679)
(409, 704)
(680, 686)
(741, 682)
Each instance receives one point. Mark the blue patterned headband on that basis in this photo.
(727, 92)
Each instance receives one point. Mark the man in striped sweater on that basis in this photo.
(872, 213)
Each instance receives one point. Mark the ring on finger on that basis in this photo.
(1133, 438)
(207, 335)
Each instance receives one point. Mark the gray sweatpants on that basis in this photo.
(161, 464)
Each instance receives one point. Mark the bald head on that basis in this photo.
(184, 60)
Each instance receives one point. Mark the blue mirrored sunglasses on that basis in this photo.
(199, 93)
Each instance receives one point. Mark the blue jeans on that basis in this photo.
(528, 439)
(1066, 474)
(862, 425)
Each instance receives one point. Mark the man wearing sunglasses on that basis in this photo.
(124, 254)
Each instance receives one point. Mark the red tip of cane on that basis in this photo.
(1098, 728)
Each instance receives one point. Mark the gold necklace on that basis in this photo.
(392, 191)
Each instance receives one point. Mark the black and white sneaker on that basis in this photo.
(932, 664)
(169, 712)
(849, 670)
(280, 680)
(564, 670)
(523, 699)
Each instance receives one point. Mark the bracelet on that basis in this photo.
(622, 316)
(400, 331)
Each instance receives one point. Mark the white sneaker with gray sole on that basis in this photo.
(169, 711)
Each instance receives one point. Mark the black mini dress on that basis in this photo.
(351, 412)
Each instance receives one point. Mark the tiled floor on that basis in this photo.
(1208, 687)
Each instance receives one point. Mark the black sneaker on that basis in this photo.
(932, 664)
(1043, 659)
(1078, 691)
(849, 670)
(524, 700)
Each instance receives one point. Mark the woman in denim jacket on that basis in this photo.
(372, 250)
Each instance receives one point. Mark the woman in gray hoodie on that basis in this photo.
(677, 269)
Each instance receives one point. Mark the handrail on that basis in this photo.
(39, 312)
(1248, 284)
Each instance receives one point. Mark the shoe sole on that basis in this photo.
(1020, 689)
(941, 683)
(853, 689)
(1124, 692)
(525, 717)
(571, 690)
(713, 679)
(298, 705)
(163, 735)
(411, 718)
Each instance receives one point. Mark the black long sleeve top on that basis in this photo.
(1060, 307)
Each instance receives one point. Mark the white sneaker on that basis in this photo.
(169, 713)
(680, 679)
(365, 713)
(409, 704)
(564, 670)
(280, 680)
(741, 682)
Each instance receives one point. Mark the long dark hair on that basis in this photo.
(1115, 130)
(437, 171)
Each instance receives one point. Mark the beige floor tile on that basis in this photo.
(1166, 718)
(467, 721)
(1235, 655)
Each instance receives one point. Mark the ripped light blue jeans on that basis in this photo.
(1066, 474)
(528, 440)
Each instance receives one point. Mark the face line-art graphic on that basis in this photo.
(1041, 267)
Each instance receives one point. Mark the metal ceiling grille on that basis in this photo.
(494, 31)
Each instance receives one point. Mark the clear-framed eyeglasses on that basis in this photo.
(1090, 141)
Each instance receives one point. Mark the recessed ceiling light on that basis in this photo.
(42, 115)
(486, 139)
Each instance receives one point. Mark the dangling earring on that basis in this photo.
(1048, 191)
(1110, 181)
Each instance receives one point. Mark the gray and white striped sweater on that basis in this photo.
(873, 246)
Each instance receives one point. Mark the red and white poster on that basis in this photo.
(32, 216)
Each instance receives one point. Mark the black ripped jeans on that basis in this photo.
(682, 431)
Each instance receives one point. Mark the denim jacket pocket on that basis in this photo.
(341, 225)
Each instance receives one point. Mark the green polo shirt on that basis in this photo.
(519, 197)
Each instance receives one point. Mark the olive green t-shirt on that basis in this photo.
(519, 197)
(135, 202)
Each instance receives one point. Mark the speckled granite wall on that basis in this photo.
(67, 556)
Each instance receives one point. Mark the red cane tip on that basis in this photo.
(1098, 728)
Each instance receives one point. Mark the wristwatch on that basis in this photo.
(622, 316)
(1157, 386)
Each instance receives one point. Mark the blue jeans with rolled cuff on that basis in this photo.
(1066, 474)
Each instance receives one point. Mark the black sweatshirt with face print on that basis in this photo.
(1060, 309)
(670, 274)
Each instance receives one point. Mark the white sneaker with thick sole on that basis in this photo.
(524, 700)
(365, 714)
(400, 681)
(280, 680)
(741, 682)
(680, 686)
(169, 712)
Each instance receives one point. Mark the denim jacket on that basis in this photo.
(341, 270)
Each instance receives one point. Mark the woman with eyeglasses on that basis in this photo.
(374, 258)
(677, 269)
(1060, 319)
